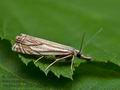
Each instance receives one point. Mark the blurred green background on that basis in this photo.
(62, 21)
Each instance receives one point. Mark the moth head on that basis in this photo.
(80, 54)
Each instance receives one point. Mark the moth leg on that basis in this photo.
(38, 59)
(56, 61)
(72, 61)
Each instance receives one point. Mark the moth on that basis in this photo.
(30, 45)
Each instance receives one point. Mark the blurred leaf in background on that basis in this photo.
(64, 22)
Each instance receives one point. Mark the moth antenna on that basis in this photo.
(81, 47)
(94, 35)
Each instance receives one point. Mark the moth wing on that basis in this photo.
(39, 50)
(30, 40)
(32, 45)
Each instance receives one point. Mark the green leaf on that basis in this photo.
(65, 21)
(59, 69)
(16, 75)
